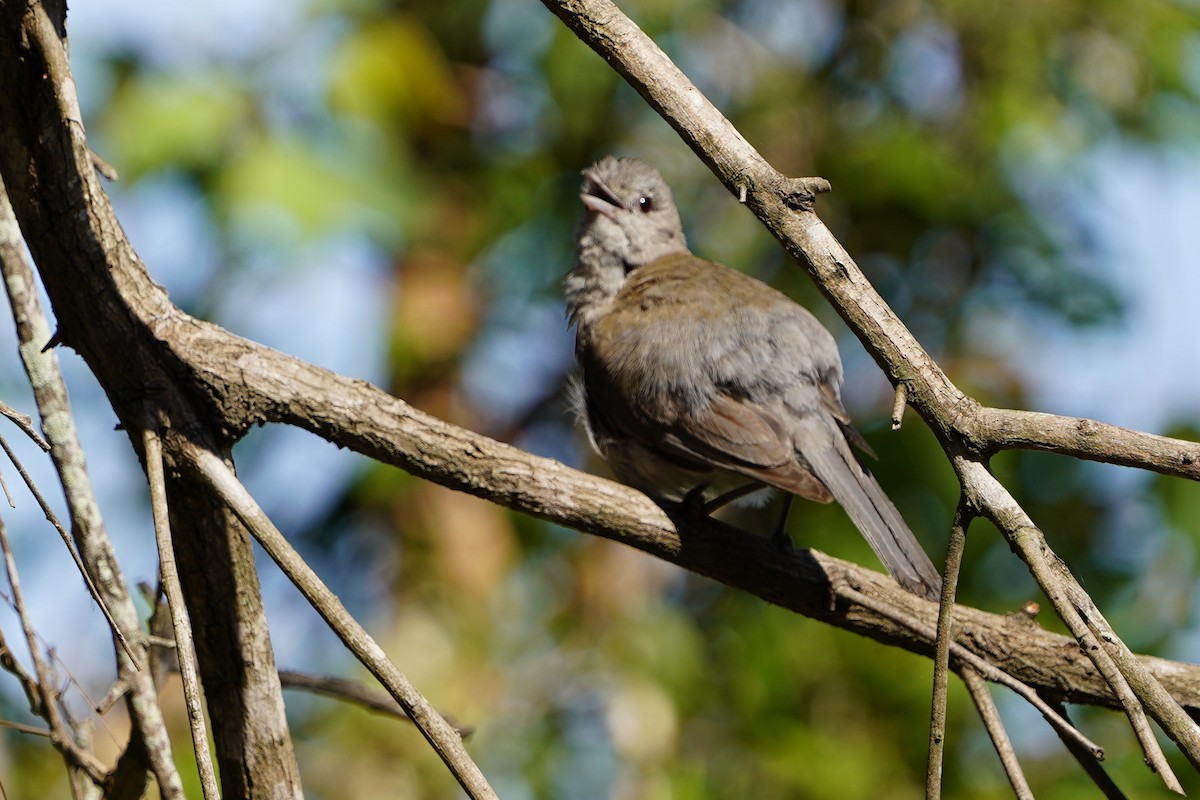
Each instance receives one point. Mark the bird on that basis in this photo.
(702, 384)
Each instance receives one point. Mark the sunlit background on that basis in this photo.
(390, 190)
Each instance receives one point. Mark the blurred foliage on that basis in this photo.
(448, 136)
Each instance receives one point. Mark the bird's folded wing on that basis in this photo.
(744, 437)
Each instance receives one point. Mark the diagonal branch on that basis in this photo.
(185, 647)
(1135, 688)
(439, 733)
(988, 713)
(960, 421)
(278, 387)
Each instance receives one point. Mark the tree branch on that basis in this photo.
(941, 659)
(351, 691)
(93, 279)
(181, 625)
(994, 429)
(1125, 674)
(358, 416)
(150, 746)
(439, 733)
(275, 387)
(990, 716)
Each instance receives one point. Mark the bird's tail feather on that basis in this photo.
(857, 491)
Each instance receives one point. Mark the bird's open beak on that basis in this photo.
(598, 198)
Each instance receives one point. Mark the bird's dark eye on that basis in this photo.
(646, 204)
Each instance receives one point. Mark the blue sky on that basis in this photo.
(1144, 372)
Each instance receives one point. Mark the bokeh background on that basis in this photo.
(390, 190)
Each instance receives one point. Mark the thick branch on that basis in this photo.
(440, 734)
(149, 746)
(363, 418)
(95, 282)
(261, 384)
(1003, 429)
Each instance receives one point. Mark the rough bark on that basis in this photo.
(106, 304)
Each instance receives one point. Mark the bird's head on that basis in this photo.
(629, 213)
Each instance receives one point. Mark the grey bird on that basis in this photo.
(702, 384)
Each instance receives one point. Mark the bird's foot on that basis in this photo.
(782, 541)
(692, 507)
(780, 537)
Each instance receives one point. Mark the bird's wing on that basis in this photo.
(811, 458)
(744, 437)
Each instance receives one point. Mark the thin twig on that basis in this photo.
(444, 739)
(999, 736)
(115, 693)
(354, 692)
(976, 686)
(185, 648)
(22, 728)
(25, 423)
(70, 545)
(967, 658)
(941, 656)
(104, 168)
(60, 735)
(1094, 769)
(899, 403)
